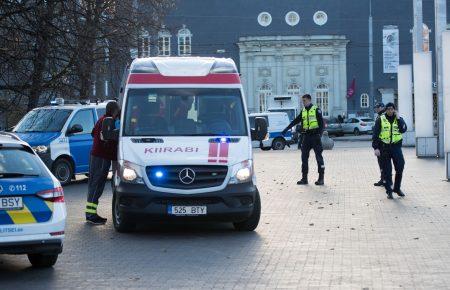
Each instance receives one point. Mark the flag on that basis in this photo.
(351, 89)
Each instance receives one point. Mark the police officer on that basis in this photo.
(380, 109)
(311, 127)
(387, 143)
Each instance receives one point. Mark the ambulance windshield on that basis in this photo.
(43, 120)
(184, 112)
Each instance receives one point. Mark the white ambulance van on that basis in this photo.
(185, 145)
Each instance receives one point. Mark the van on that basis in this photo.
(61, 135)
(185, 149)
(276, 122)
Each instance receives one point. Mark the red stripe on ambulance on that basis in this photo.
(146, 78)
(218, 152)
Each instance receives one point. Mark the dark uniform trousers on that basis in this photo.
(392, 154)
(380, 164)
(312, 142)
(98, 174)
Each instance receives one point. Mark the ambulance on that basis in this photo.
(185, 145)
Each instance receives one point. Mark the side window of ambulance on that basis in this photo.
(85, 118)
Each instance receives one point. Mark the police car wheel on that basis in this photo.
(252, 222)
(356, 132)
(63, 171)
(122, 223)
(266, 148)
(42, 260)
(278, 144)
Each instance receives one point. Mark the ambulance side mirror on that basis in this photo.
(260, 131)
(109, 131)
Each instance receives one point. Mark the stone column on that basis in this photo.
(426, 142)
(250, 84)
(279, 70)
(446, 96)
(405, 102)
(307, 73)
(335, 100)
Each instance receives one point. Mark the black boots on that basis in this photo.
(389, 195)
(397, 184)
(320, 180)
(379, 183)
(303, 181)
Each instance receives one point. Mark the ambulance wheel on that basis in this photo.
(122, 223)
(252, 222)
(42, 260)
(63, 170)
(278, 144)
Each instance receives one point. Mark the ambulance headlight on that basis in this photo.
(41, 149)
(242, 172)
(130, 172)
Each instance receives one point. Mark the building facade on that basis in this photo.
(293, 47)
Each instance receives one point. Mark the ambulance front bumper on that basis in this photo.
(232, 204)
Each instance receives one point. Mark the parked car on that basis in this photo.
(358, 126)
(32, 208)
(277, 122)
(333, 126)
(61, 135)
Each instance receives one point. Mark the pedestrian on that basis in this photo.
(387, 143)
(311, 127)
(380, 109)
(103, 154)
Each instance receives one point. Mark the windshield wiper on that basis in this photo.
(16, 174)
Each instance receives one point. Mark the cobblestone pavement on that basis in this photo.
(345, 235)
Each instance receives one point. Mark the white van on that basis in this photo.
(277, 122)
(185, 150)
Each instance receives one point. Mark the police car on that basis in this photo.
(32, 208)
(61, 135)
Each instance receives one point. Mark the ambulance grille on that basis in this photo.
(169, 176)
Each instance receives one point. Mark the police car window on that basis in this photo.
(43, 120)
(101, 112)
(184, 112)
(85, 118)
(15, 162)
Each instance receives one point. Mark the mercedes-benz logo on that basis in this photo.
(187, 176)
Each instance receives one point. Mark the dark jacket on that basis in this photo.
(298, 121)
(376, 141)
(103, 149)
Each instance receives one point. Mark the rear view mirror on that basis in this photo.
(109, 131)
(77, 128)
(260, 131)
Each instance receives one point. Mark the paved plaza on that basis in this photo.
(345, 235)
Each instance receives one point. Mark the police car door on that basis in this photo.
(81, 143)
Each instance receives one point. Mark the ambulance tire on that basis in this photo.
(278, 144)
(63, 170)
(42, 260)
(252, 222)
(122, 223)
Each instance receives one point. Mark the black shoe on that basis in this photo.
(96, 219)
(389, 195)
(303, 181)
(320, 181)
(399, 192)
(379, 183)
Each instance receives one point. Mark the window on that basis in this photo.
(320, 18)
(16, 162)
(264, 19)
(145, 44)
(85, 118)
(184, 41)
(43, 120)
(264, 92)
(164, 42)
(292, 18)
(186, 112)
(364, 101)
(101, 112)
(252, 121)
(293, 90)
(322, 99)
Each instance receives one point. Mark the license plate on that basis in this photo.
(186, 210)
(11, 203)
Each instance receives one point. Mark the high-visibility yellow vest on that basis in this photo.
(309, 119)
(389, 133)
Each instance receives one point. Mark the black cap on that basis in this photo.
(390, 105)
(379, 105)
